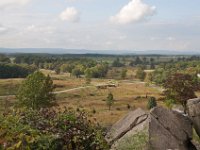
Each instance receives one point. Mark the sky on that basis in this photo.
(101, 24)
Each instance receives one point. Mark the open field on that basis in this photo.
(9, 86)
(92, 100)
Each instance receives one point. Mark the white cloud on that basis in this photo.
(40, 29)
(134, 11)
(171, 38)
(12, 3)
(3, 29)
(70, 14)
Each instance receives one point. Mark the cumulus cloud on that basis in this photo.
(134, 11)
(70, 14)
(12, 3)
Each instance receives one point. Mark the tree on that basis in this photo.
(36, 91)
(88, 76)
(151, 103)
(117, 63)
(123, 73)
(140, 74)
(76, 72)
(109, 100)
(180, 87)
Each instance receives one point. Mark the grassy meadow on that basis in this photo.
(128, 95)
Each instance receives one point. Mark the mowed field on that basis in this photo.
(91, 99)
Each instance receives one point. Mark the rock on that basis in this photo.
(169, 130)
(193, 106)
(162, 129)
(124, 125)
(178, 108)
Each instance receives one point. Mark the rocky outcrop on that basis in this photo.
(193, 106)
(164, 128)
(169, 130)
(126, 124)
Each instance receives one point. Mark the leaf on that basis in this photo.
(18, 144)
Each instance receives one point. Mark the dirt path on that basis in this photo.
(84, 87)
(74, 89)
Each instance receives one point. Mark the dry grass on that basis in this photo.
(89, 99)
(9, 86)
(92, 99)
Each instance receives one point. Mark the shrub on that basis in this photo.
(169, 103)
(36, 91)
(94, 111)
(151, 103)
(128, 106)
(46, 129)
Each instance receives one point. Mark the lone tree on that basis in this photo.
(140, 74)
(151, 103)
(123, 73)
(181, 87)
(109, 100)
(36, 91)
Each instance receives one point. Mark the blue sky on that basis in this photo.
(101, 24)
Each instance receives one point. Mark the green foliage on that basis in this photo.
(117, 63)
(15, 71)
(151, 103)
(76, 72)
(36, 91)
(4, 59)
(109, 100)
(180, 87)
(169, 103)
(47, 129)
(140, 74)
(123, 73)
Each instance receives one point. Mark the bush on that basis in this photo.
(36, 91)
(128, 106)
(151, 103)
(94, 111)
(46, 129)
(169, 103)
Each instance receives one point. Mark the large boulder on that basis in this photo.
(126, 124)
(193, 106)
(162, 128)
(169, 130)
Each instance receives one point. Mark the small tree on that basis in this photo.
(123, 73)
(88, 75)
(151, 103)
(180, 87)
(36, 91)
(109, 100)
(140, 74)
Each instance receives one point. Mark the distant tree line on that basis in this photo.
(8, 70)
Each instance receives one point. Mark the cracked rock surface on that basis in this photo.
(166, 129)
(169, 130)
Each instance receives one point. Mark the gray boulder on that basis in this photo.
(126, 124)
(193, 106)
(169, 130)
(164, 129)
